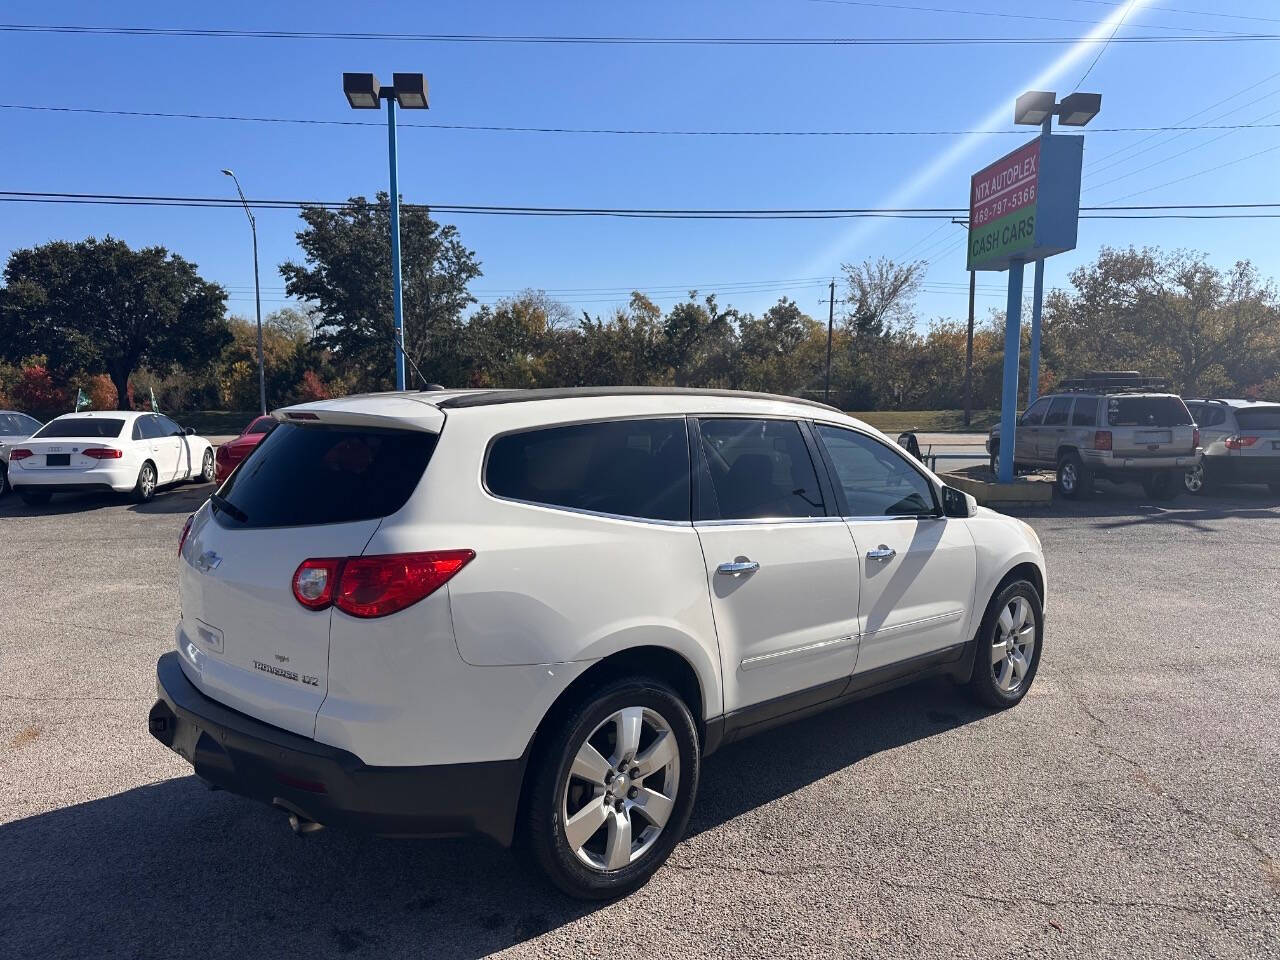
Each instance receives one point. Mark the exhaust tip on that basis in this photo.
(301, 826)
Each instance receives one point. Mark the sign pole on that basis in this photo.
(1012, 348)
(1037, 302)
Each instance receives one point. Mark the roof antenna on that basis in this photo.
(421, 378)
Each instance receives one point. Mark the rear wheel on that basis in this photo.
(145, 488)
(1160, 486)
(611, 794)
(1074, 482)
(35, 499)
(206, 468)
(1009, 644)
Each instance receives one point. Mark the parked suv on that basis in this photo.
(1241, 443)
(531, 614)
(1116, 426)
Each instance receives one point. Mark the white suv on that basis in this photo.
(531, 614)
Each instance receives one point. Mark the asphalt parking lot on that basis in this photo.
(1128, 808)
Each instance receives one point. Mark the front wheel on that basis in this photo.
(612, 792)
(1193, 480)
(1009, 644)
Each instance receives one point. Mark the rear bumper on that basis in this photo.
(73, 481)
(1243, 469)
(326, 784)
(1139, 465)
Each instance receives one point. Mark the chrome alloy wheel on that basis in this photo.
(621, 789)
(1193, 479)
(1068, 477)
(206, 467)
(147, 481)
(1014, 644)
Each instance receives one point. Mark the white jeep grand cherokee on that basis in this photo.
(531, 614)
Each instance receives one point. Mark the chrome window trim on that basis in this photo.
(756, 521)
(807, 649)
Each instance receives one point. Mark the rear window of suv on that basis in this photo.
(1147, 412)
(304, 476)
(628, 468)
(1260, 418)
(99, 427)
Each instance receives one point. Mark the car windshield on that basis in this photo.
(97, 427)
(1147, 412)
(260, 426)
(1259, 418)
(302, 476)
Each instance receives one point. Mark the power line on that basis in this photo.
(990, 13)
(478, 38)
(1188, 13)
(1200, 173)
(1110, 211)
(1119, 23)
(616, 131)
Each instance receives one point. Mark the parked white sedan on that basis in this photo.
(108, 450)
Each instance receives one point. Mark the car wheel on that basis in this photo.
(1160, 486)
(994, 464)
(1193, 480)
(35, 499)
(611, 794)
(1010, 641)
(206, 467)
(4, 481)
(145, 488)
(1074, 482)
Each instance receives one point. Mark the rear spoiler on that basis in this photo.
(384, 412)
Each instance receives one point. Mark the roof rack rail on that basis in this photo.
(1112, 381)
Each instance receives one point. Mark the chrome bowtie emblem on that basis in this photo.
(208, 561)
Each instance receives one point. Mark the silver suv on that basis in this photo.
(1241, 443)
(1116, 426)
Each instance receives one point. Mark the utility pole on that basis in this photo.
(831, 319)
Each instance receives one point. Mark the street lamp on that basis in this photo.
(257, 294)
(1038, 108)
(410, 91)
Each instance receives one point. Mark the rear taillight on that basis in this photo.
(1239, 443)
(20, 453)
(1102, 439)
(314, 580)
(378, 585)
(103, 453)
(186, 528)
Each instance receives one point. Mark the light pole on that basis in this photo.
(257, 294)
(410, 91)
(1038, 108)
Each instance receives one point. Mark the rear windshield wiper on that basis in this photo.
(222, 503)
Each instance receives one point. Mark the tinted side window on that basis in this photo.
(758, 469)
(876, 481)
(1058, 411)
(1085, 413)
(149, 428)
(1035, 415)
(137, 429)
(630, 468)
(302, 476)
(1215, 415)
(167, 427)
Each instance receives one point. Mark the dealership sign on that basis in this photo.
(1026, 205)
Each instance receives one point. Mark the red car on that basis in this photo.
(233, 451)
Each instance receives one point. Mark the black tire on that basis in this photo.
(144, 490)
(993, 464)
(543, 815)
(207, 468)
(983, 684)
(35, 499)
(1162, 485)
(4, 480)
(1074, 482)
(1195, 481)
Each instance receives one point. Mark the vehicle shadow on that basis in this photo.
(1113, 507)
(179, 498)
(172, 869)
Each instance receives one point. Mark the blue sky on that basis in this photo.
(593, 263)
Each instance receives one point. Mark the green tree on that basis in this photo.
(98, 304)
(347, 281)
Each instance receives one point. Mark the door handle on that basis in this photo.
(882, 552)
(741, 565)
